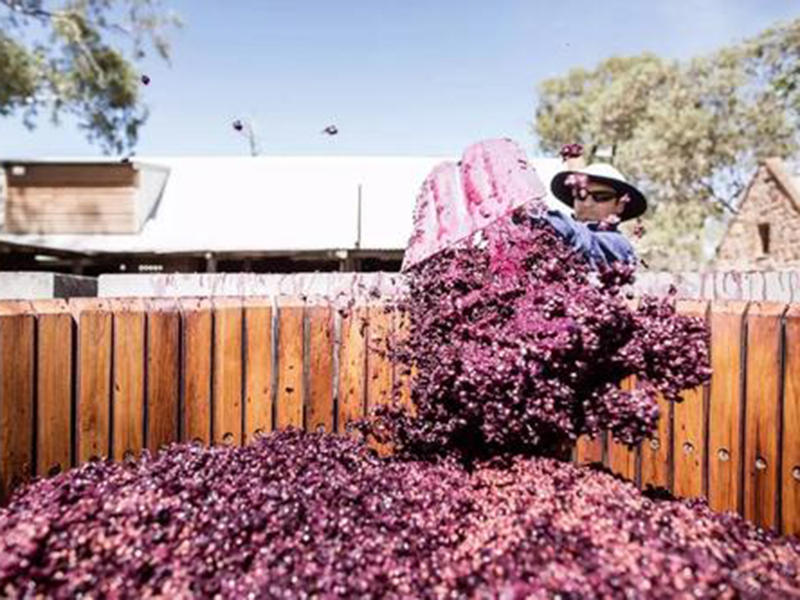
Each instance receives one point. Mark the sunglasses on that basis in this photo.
(601, 196)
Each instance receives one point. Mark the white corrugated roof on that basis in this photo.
(2, 200)
(227, 204)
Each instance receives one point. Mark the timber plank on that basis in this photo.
(762, 412)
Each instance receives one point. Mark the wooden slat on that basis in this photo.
(320, 357)
(258, 367)
(129, 375)
(655, 451)
(689, 426)
(74, 175)
(66, 208)
(589, 450)
(53, 386)
(77, 219)
(352, 366)
(379, 368)
(790, 477)
(17, 372)
(290, 392)
(94, 377)
(99, 225)
(725, 450)
(163, 372)
(83, 214)
(688, 447)
(57, 197)
(621, 459)
(197, 318)
(60, 203)
(227, 398)
(403, 374)
(762, 412)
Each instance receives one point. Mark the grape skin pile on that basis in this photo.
(302, 515)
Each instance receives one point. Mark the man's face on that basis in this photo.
(590, 209)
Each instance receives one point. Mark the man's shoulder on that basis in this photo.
(612, 234)
(553, 214)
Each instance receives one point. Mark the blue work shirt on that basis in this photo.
(599, 246)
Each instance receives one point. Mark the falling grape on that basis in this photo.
(571, 151)
(519, 346)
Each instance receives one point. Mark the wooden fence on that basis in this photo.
(108, 377)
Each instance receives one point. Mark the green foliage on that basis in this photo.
(17, 74)
(773, 58)
(80, 60)
(689, 133)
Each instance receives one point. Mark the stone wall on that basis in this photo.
(40, 285)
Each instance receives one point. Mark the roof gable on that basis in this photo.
(777, 169)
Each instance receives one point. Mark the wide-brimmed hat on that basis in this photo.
(602, 173)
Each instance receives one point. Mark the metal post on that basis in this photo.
(358, 222)
(211, 263)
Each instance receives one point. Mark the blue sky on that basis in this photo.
(397, 77)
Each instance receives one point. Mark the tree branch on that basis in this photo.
(719, 199)
(16, 6)
(64, 17)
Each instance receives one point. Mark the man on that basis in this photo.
(601, 199)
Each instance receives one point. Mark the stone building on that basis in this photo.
(765, 234)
